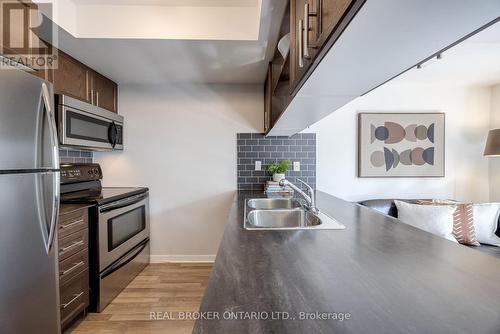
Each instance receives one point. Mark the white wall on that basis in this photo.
(467, 122)
(180, 141)
(495, 162)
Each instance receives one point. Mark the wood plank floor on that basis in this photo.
(172, 287)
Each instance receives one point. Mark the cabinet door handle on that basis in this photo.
(319, 18)
(91, 96)
(306, 30)
(63, 306)
(73, 245)
(76, 265)
(301, 50)
(97, 98)
(76, 222)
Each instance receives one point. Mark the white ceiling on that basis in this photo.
(176, 3)
(474, 62)
(131, 19)
(154, 61)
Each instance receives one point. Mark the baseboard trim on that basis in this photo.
(181, 258)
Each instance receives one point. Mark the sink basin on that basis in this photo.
(289, 219)
(282, 219)
(273, 203)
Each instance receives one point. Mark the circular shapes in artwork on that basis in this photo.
(393, 133)
(377, 159)
(410, 133)
(396, 133)
(421, 132)
(428, 155)
(381, 133)
(430, 133)
(417, 156)
(390, 158)
(405, 157)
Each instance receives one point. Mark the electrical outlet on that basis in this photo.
(296, 166)
(258, 165)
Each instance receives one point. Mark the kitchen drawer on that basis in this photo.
(74, 297)
(72, 266)
(73, 244)
(72, 222)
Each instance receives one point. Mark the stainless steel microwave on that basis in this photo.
(84, 126)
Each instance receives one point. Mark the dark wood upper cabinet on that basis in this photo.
(79, 81)
(314, 25)
(313, 22)
(104, 92)
(72, 78)
(330, 12)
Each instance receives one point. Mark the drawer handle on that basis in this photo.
(63, 306)
(76, 265)
(73, 245)
(72, 224)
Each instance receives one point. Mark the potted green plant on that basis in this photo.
(279, 169)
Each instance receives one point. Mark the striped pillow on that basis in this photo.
(463, 224)
(463, 221)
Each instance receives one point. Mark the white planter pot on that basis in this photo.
(278, 177)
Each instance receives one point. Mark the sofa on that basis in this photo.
(388, 207)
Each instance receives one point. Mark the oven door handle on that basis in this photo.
(126, 259)
(122, 204)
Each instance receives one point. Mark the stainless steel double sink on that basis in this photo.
(285, 214)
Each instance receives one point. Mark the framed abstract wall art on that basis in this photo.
(401, 144)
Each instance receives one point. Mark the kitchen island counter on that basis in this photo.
(376, 276)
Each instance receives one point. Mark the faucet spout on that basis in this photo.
(310, 199)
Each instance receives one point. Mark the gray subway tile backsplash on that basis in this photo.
(75, 156)
(256, 147)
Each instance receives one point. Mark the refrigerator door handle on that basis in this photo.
(55, 164)
(51, 120)
(55, 212)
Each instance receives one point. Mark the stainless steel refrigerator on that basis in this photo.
(29, 205)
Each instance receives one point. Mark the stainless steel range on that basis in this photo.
(119, 230)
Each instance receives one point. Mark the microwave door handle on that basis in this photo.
(112, 134)
(51, 121)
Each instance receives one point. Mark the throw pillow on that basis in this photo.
(486, 222)
(437, 220)
(464, 229)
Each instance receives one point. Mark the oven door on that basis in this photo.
(122, 226)
(83, 129)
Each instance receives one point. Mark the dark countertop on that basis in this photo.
(390, 277)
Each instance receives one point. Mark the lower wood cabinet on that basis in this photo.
(74, 290)
(74, 298)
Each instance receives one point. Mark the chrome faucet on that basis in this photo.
(311, 202)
